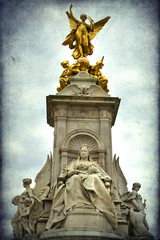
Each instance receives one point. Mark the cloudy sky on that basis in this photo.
(32, 34)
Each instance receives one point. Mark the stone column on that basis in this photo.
(82, 105)
(60, 116)
(105, 134)
(102, 161)
(64, 156)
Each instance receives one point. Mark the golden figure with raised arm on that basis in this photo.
(95, 72)
(82, 34)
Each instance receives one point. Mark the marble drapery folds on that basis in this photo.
(81, 185)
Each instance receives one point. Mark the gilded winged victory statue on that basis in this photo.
(82, 34)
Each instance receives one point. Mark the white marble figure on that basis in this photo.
(82, 184)
(30, 202)
(137, 217)
(29, 208)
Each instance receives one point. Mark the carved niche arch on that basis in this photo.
(73, 142)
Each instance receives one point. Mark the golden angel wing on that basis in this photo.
(98, 26)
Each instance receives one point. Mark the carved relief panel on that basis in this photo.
(83, 112)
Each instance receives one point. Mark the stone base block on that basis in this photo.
(123, 227)
(78, 234)
(41, 224)
(84, 221)
(87, 219)
(29, 237)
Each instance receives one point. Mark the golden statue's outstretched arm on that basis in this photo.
(71, 10)
(73, 21)
(71, 13)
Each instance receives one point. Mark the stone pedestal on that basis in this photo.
(87, 219)
(80, 234)
(82, 113)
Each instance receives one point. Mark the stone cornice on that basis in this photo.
(110, 104)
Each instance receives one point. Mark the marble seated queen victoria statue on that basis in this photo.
(82, 184)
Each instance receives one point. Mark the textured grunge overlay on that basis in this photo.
(32, 32)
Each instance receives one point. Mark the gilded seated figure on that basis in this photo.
(69, 70)
(84, 184)
(95, 72)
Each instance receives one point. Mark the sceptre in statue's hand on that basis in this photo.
(82, 34)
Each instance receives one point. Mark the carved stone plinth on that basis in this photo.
(85, 222)
(82, 113)
(87, 219)
(80, 234)
(123, 227)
